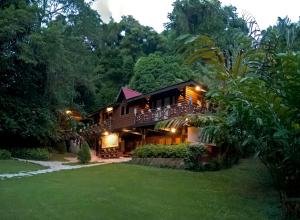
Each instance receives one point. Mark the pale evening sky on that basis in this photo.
(154, 12)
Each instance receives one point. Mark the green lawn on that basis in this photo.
(54, 156)
(15, 166)
(125, 191)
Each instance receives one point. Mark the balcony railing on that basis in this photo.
(159, 114)
(107, 124)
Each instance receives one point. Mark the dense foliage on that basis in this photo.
(158, 71)
(57, 55)
(31, 153)
(193, 158)
(161, 151)
(257, 97)
(84, 154)
(4, 154)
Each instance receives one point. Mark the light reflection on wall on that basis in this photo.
(111, 140)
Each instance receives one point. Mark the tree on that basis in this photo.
(42, 67)
(205, 17)
(156, 71)
(283, 36)
(122, 44)
(254, 111)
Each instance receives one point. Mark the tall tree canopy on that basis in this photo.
(156, 71)
(206, 17)
(119, 49)
(43, 61)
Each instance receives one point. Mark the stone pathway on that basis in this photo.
(52, 166)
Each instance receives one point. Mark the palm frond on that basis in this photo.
(196, 120)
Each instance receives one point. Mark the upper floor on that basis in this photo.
(133, 109)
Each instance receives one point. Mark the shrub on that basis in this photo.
(84, 154)
(162, 151)
(61, 147)
(193, 159)
(4, 154)
(31, 153)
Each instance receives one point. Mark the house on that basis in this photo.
(130, 121)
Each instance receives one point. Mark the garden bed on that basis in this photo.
(197, 157)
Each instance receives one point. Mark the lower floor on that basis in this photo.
(122, 142)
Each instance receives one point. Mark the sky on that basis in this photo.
(154, 12)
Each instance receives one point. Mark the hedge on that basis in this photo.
(4, 154)
(162, 151)
(193, 160)
(31, 153)
(195, 156)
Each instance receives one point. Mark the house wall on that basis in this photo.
(195, 96)
(126, 120)
(179, 95)
(193, 134)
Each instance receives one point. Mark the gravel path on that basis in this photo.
(52, 166)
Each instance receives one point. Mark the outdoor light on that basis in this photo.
(198, 88)
(112, 139)
(109, 109)
(68, 112)
(173, 130)
(105, 133)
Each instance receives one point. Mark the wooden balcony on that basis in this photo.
(107, 124)
(154, 115)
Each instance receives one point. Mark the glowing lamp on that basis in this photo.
(198, 88)
(105, 133)
(109, 109)
(68, 112)
(112, 140)
(173, 130)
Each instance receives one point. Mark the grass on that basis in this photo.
(15, 166)
(78, 163)
(126, 191)
(54, 156)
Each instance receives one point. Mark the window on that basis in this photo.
(125, 110)
(173, 100)
(167, 101)
(153, 104)
(158, 103)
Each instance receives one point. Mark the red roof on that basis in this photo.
(129, 93)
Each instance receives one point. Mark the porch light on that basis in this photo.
(68, 112)
(173, 130)
(105, 133)
(109, 109)
(198, 88)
